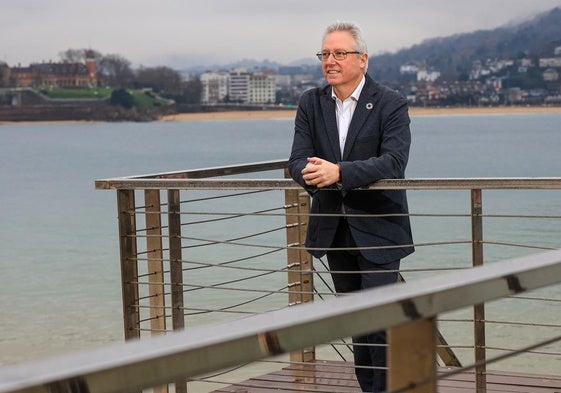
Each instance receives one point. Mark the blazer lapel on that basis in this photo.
(364, 108)
(328, 110)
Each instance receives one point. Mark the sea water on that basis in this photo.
(59, 269)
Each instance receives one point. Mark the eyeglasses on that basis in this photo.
(337, 54)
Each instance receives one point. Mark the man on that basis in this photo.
(349, 134)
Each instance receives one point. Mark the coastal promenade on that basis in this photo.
(291, 113)
(414, 111)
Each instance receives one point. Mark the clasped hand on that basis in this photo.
(320, 173)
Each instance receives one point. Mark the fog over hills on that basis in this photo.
(534, 36)
(453, 55)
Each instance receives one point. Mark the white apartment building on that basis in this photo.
(214, 87)
(428, 76)
(550, 62)
(262, 88)
(238, 86)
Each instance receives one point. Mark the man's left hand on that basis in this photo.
(321, 173)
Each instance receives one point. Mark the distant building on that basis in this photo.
(409, 69)
(495, 83)
(551, 75)
(262, 88)
(91, 66)
(427, 76)
(238, 86)
(525, 62)
(214, 87)
(283, 80)
(43, 75)
(550, 62)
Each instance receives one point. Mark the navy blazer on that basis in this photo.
(377, 147)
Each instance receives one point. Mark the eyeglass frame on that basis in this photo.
(324, 55)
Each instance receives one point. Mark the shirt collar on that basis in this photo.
(355, 94)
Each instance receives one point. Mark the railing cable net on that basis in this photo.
(191, 242)
(200, 248)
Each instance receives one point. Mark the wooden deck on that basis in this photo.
(338, 377)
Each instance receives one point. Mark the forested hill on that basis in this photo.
(454, 55)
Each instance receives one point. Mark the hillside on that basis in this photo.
(453, 55)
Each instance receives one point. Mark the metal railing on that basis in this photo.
(192, 352)
(208, 246)
(261, 204)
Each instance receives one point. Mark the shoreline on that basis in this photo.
(291, 113)
(413, 111)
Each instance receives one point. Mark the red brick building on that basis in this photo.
(42, 75)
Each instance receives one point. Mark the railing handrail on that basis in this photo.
(223, 170)
(482, 183)
(199, 179)
(149, 362)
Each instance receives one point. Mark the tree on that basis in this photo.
(161, 79)
(192, 91)
(4, 75)
(78, 55)
(116, 71)
(122, 97)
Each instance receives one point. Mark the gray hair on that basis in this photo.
(352, 29)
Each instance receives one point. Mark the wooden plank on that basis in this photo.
(325, 385)
(533, 381)
(129, 267)
(342, 376)
(287, 380)
(317, 377)
(503, 382)
(338, 376)
(331, 367)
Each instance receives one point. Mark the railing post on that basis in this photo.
(129, 267)
(412, 356)
(155, 263)
(176, 269)
(478, 309)
(299, 261)
(175, 258)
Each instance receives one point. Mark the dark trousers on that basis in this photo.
(351, 272)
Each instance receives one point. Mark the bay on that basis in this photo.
(59, 269)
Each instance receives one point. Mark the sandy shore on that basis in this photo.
(289, 114)
(283, 114)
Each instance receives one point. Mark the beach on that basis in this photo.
(414, 111)
(291, 113)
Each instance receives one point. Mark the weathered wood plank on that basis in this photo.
(339, 377)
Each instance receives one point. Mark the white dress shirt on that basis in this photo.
(344, 111)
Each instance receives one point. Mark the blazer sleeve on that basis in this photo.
(303, 142)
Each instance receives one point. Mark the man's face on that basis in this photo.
(347, 73)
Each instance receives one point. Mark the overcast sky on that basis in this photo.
(180, 33)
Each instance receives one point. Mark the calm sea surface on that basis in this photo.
(59, 270)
